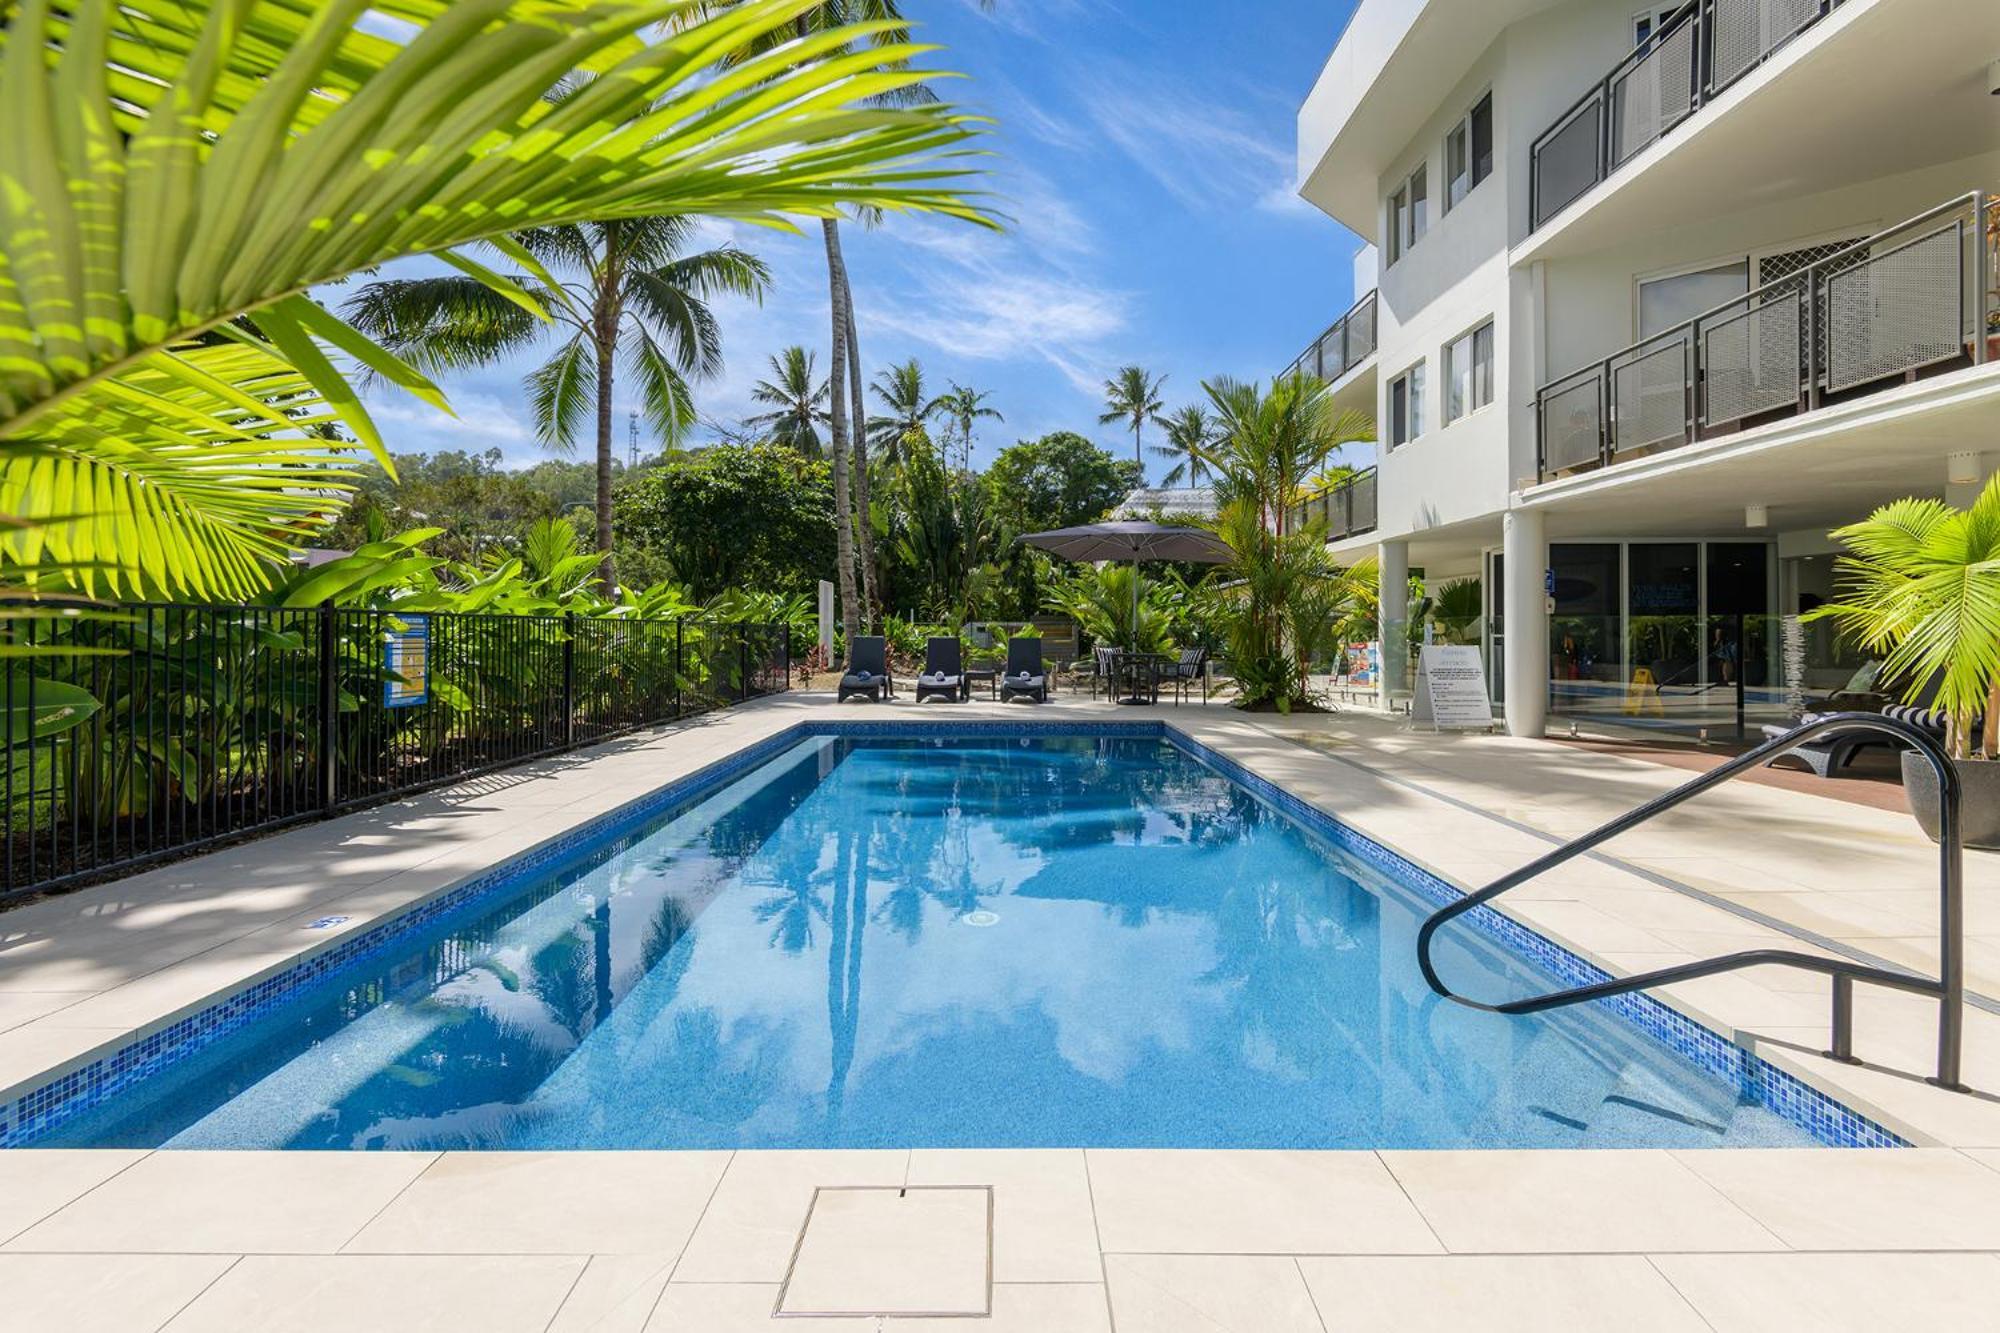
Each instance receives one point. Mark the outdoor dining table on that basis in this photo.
(1126, 664)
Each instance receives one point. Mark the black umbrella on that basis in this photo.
(1134, 541)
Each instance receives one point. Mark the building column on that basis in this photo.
(1392, 626)
(1526, 608)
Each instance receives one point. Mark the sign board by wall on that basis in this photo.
(1451, 689)
(406, 663)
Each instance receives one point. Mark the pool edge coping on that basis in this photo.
(36, 1105)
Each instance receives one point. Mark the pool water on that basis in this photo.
(1000, 942)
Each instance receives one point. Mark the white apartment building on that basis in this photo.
(1658, 295)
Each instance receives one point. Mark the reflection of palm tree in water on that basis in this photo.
(849, 923)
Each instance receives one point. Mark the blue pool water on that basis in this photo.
(1001, 942)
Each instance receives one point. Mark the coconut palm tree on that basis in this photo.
(1132, 398)
(1190, 432)
(629, 292)
(908, 409)
(964, 407)
(193, 170)
(798, 405)
(888, 41)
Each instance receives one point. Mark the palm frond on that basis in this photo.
(173, 165)
(562, 391)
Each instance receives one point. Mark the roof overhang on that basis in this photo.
(1381, 84)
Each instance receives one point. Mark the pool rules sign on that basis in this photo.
(1451, 689)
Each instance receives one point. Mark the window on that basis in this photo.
(1468, 152)
(1468, 373)
(1675, 299)
(1409, 212)
(1650, 21)
(1406, 406)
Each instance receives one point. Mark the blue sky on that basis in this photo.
(1145, 151)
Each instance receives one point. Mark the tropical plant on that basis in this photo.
(1132, 398)
(1100, 599)
(1189, 434)
(182, 172)
(949, 538)
(964, 408)
(841, 25)
(798, 405)
(1284, 598)
(1921, 587)
(732, 517)
(630, 292)
(907, 412)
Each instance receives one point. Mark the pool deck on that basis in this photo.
(1139, 1241)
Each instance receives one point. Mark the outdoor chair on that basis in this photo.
(1829, 755)
(1190, 672)
(944, 671)
(1026, 676)
(867, 670)
(1103, 664)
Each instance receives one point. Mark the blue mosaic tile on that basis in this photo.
(47, 1105)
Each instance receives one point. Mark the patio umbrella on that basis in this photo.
(1134, 541)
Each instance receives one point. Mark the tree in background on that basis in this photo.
(632, 291)
(965, 408)
(1190, 431)
(1132, 398)
(907, 409)
(477, 502)
(798, 406)
(758, 517)
(1058, 481)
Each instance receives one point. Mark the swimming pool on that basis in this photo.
(997, 940)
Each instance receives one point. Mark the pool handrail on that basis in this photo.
(1948, 987)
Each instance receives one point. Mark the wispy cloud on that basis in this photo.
(1204, 152)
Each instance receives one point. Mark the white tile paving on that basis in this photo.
(1088, 1241)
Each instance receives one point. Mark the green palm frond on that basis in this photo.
(173, 165)
(668, 402)
(561, 392)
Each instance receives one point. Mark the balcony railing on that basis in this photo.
(1347, 509)
(1692, 56)
(1920, 298)
(1349, 342)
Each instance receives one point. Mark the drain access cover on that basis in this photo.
(982, 917)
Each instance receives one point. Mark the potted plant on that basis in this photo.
(1921, 588)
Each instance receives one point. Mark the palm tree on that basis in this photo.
(194, 171)
(964, 407)
(908, 409)
(798, 406)
(630, 291)
(1190, 432)
(1133, 397)
(890, 42)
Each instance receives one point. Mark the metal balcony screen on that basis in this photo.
(1743, 32)
(1656, 93)
(1649, 398)
(1573, 424)
(1753, 360)
(1901, 310)
(1568, 159)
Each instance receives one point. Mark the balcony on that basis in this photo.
(1342, 347)
(1919, 299)
(1347, 509)
(1692, 56)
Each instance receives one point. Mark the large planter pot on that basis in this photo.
(1978, 802)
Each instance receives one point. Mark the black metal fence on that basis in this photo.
(1347, 342)
(1347, 509)
(208, 722)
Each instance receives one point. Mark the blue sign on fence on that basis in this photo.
(406, 663)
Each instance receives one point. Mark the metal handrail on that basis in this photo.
(1341, 326)
(1349, 486)
(1806, 278)
(1948, 987)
